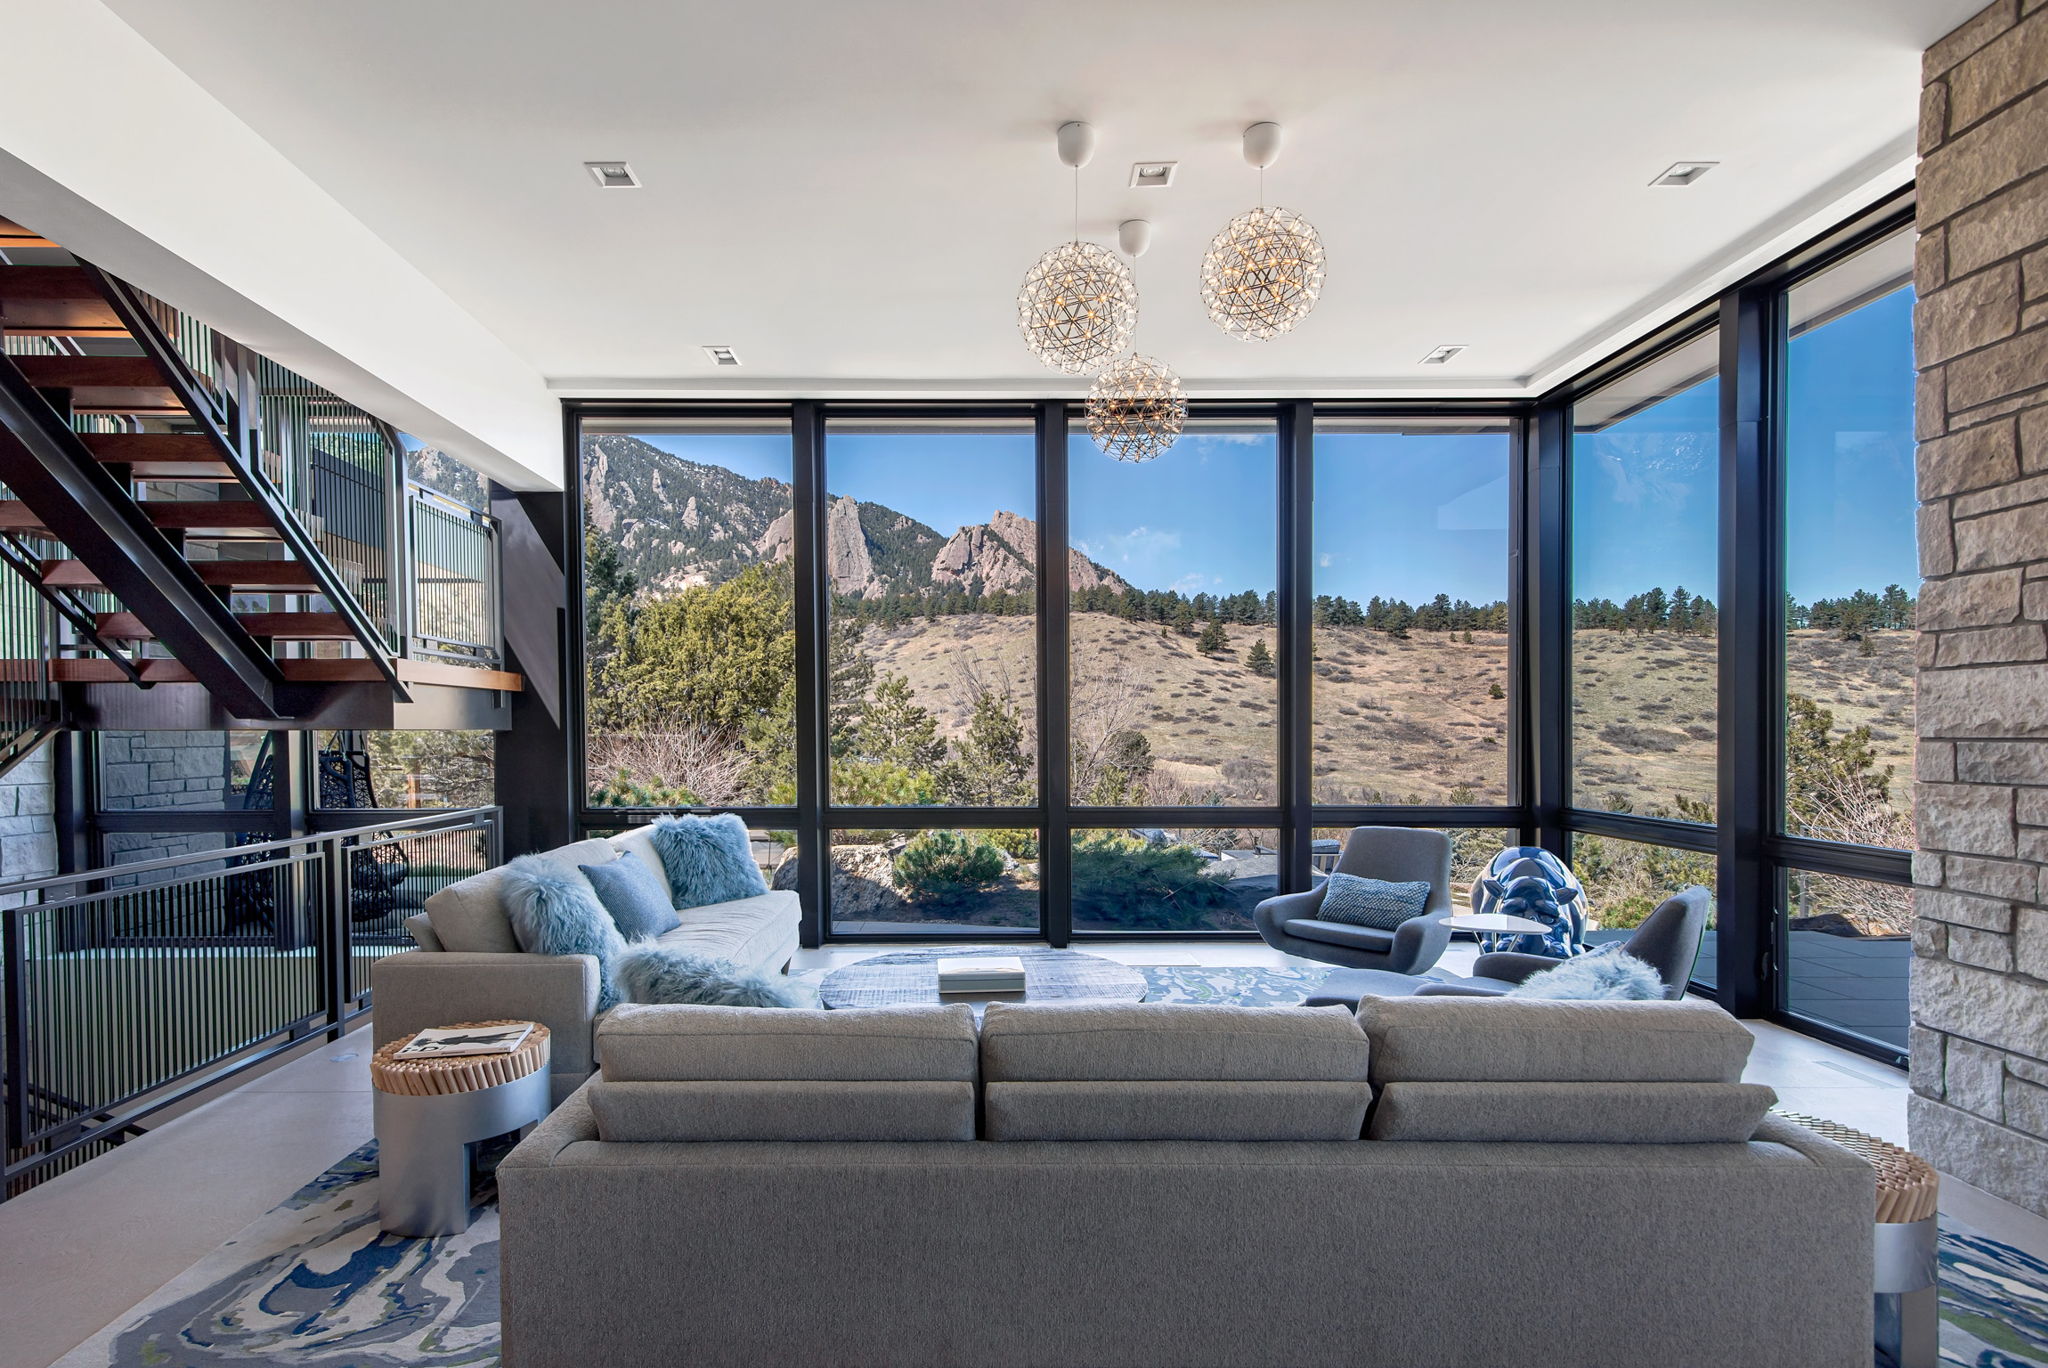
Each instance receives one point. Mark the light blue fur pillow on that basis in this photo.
(553, 911)
(1613, 977)
(707, 859)
(671, 974)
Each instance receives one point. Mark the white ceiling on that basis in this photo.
(848, 194)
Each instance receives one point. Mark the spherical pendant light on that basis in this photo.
(1136, 409)
(1263, 274)
(1077, 307)
(1264, 271)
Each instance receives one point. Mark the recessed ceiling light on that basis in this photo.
(612, 175)
(1439, 355)
(722, 356)
(1153, 175)
(1684, 173)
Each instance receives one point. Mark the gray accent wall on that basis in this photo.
(1980, 983)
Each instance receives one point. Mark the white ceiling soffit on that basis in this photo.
(848, 195)
(115, 152)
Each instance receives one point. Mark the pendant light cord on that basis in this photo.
(1077, 205)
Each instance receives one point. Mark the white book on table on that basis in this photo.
(981, 974)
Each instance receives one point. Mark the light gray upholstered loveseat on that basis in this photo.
(1433, 1182)
(469, 967)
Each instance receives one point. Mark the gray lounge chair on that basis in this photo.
(1668, 941)
(1396, 854)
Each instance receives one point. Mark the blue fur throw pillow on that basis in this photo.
(671, 974)
(708, 860)
(1372, 902)
(1614, 977)
(554, 912)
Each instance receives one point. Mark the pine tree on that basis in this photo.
(1259, 660)
(993, 766)
(1213, 639)
(896, 729)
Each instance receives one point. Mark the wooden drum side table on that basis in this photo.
(431, 1113)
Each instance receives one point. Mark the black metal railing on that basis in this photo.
(28, 700)
(125, 989)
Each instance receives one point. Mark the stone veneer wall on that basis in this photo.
(28, 828)
(1980, 975)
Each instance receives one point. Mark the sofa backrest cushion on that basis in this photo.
(1520, 1040)
(639, 843)
(1170, 1071)
(676, 1073)
(1583, 1113)
(470, 915)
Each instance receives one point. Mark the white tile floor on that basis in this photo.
(81, 1249)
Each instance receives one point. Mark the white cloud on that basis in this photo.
(1324, 560)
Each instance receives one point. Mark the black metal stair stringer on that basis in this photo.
(51, 471)
(178, 375)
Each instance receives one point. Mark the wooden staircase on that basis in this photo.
(137, 505)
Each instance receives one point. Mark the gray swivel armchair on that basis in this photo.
(1668, 941)
(1396, 854)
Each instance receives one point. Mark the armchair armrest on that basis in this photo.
(1272, 913)
(418, 988)
(1512, 965)
(1420, 941)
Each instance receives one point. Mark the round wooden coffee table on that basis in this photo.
(912, 976)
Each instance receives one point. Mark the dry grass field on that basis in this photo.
(1398, 721)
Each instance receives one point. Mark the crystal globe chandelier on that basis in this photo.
(1264, 272)
(1136, 409)
(1078, 303)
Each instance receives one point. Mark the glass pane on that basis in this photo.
(932, 545)
(932, 882)
(1625, 880)
(1851, 557)
(690, 645)
(1148, 879)
(1172, 583)
(1644, 565)
(1849, 947)
(405, 769)
(1411, 614)
(215, 771)
(1472, 850)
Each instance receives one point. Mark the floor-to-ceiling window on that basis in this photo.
(1851, 567)
(1644, 519)
(1411, 666)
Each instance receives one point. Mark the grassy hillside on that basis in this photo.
(1400, 721)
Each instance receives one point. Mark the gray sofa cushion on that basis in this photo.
(1063, 1042)
(1340, 933)
(638, 1043)
(1137, 1071)
(1586, 1113)
(1517, 1040)
(1183, 1110)
(801, 1109)
(421, 928)
(639, 843)
(470, 915)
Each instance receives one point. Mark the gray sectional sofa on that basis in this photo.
(470, 968)
(1429, 1182)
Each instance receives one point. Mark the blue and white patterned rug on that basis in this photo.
(316, 1284)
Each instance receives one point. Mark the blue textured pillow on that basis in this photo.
(633, 895)
(1372, 902)
(708, 860)
(1615, 977)
(671, 974)
(554, 912)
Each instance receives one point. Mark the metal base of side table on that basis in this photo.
(425, 1145)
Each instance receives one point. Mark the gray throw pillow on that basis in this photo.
(1372, 902)
(633, 895)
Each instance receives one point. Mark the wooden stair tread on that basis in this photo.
(242, 517)
(14, 235)
(255, 576)
(161, 455)
(53, 299)
(74, 671)
(288, 626)
(120, 384)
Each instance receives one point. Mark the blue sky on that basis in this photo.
(1416, 515)
(1645, 491)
